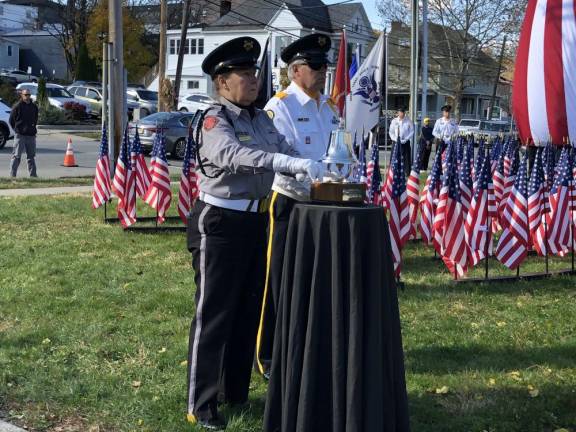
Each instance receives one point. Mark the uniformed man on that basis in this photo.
(239, 151)
(445, 128)
(401, 126)
(305, 117)
(426, 138)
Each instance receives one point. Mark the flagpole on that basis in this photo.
(385, 95)
(487, 247)
(546, 243)
(345, 72)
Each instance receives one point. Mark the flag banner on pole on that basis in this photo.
(124, 184)
(143, 177)
(363, 105)
(560, 207)
(341, 85)
(515, 240)
(373, 175)
(413, 191)
(159, 194)
(429, 199)
(102, 187)
(265, 88)
(188, 181)
(537, 198)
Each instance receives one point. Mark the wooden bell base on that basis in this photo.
(338, 192)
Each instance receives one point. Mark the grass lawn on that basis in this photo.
(27, 182)
(94, 327)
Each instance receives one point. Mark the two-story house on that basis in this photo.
(260, 19)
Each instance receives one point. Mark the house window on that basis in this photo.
(200, 46)
(187, 47)
(9, 50)
(193, 85)
(196, 46)
(172, 46)
(192, 46)
(28, 14)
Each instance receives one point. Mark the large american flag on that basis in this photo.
(482, 209)
(397, 208)
(124, 184)
(373, 176)
(561, 206)
(143, 177)
(159, 194)
(102, 188)
(515, 240)
(537, 202)
(189, 180)
(449, 236)
(413, 191)
(428, 199)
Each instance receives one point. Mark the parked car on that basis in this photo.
(18, 75)
(146, 100)
(8, 80)
(57, 96)
(6, 131)
(92, 95)
(484, 127)
(175, 126)
(194, 102)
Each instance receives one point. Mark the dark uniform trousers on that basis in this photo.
(280, 209)
(228, 256)
(407, 157)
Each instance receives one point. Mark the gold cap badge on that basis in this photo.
(248, 45)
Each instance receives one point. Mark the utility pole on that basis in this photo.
(117, 94)
(424, 106)
(187, 4)
(162, 53)
(497, 79)
(414, 73)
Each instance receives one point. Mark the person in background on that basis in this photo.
(402, 127)
(23, 119)
(426, 138)
(445, 128)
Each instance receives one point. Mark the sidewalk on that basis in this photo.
(45, 191)
(7, 427)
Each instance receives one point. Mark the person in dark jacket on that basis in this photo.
(426, 139)
(23, 119)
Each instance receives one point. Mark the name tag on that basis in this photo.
(243, 137)
(307, 141)
(335, 120)
(303, 119)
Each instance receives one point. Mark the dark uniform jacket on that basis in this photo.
(23, 118)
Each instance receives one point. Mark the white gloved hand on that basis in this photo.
(292, 165)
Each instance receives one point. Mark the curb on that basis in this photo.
(7, 427)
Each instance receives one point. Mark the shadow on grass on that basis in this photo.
(448, 360)
(509, 409)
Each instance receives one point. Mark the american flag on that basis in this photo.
(428, 199)
(101, 192)
(548, 166)
(560, 206)
(498, 181)
(495, 154)
(413, 191)
(449, 235)
(536, 205)
(188, 181)
(509, 180)
(386, 189)
(362, 175)
(515, 240)
(479, 161)
(374, 178)
(159, 194)
(398, 208)
(465, 176)
(124, 185)
(482, 208)
(143, 177)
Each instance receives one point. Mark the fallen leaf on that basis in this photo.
(136, 384)
(515, 375)
(163, 350)
(501, 323)
(534, 392)
(184, 363)
(442, 390)
(491, 382)
(46, 341)
(140, 422)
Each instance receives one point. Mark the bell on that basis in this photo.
(339, 158)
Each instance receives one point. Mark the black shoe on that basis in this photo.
(214, 422)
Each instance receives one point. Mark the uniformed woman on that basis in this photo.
(239, 152)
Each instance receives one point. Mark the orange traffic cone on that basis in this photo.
(69, 160)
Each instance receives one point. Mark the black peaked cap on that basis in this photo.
(313, 47)
(238, 53)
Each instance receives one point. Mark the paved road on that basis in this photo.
(51, 146)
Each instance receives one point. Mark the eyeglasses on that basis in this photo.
(25, 94)
(316, 65)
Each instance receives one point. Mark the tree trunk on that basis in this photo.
(183, 35)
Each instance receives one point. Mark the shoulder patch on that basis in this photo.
(281, 95)
(210, 122)
(270, 114)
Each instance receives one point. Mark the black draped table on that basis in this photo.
(338, 364)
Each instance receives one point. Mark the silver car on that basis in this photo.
(147, 100)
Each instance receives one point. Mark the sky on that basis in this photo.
(371, 11)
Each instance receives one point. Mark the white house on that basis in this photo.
(261, 19)
(16, 17)
(9, 54)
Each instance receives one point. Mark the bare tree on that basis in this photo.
(469, 33)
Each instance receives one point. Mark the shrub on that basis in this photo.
(8, 93)
(42, 97)
(75, 110)
(50, 115)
